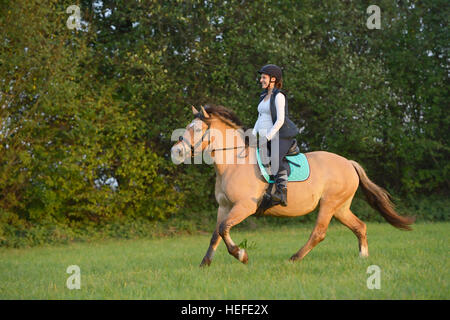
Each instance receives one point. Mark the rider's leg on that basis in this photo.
(281, 178)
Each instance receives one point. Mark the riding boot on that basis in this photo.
(280, 194)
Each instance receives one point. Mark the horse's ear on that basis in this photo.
(194, 111)
(205, 114)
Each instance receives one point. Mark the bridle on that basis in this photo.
(196, 145)
(193, 147)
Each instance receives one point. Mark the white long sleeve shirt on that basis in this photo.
(264, 125)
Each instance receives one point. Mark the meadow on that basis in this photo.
(413, 265)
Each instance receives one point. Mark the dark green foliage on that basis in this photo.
(75, 150)
(87, 115)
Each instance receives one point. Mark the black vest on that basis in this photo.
(288, 129)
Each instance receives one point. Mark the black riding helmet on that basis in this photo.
(272, 71)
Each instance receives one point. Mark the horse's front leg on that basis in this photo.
(238, 213)
(215, 239)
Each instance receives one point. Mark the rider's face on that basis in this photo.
(265, 81)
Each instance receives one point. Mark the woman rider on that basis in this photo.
(274, 124)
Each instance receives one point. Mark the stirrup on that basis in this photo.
(280, 196)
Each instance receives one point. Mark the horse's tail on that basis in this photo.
(380, 200)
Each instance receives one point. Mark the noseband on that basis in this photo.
(193, 147)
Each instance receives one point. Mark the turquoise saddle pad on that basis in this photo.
(299, 167)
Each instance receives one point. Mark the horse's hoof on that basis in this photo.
(364, 252)
(293, 258)
(205, 262)
(243, 256)
(363, 255)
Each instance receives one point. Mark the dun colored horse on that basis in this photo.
(240, 186)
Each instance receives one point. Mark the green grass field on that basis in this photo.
(414, 265)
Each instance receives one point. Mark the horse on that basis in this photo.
(240, 186)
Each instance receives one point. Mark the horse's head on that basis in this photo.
(194, 139)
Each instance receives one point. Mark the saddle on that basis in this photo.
(298, 171)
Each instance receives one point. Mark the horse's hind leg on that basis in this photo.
(347, 218)
(326, 212)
